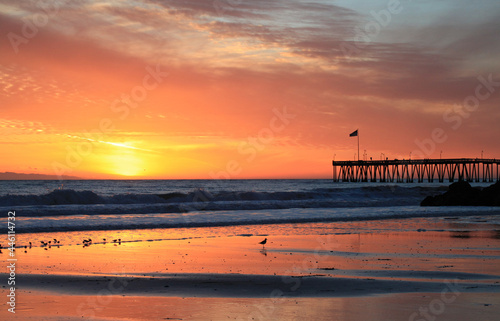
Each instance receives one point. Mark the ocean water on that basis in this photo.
(83, 205)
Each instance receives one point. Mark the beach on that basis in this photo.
(443, 268)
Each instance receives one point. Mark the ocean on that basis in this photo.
(97, 205)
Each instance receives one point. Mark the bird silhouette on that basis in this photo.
(263, 242)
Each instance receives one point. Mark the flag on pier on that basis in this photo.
(355, 134)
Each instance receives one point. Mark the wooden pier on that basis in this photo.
(400, 171)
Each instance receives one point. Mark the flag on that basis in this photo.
(354, 133)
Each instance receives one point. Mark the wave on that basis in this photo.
(70, 202)
(86, 210)
(239, 217)
(69, 196)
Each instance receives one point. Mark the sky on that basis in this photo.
(230, 89)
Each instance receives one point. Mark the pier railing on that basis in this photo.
(466, 169)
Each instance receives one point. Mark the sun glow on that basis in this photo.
(126, 164)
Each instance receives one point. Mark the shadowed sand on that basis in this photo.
(244, 285)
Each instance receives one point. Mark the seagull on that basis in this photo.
(263, 242)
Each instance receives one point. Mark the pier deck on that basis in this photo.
(467, 169)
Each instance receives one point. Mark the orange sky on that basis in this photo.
(233, 89)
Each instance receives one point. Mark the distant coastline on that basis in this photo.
(11, 176)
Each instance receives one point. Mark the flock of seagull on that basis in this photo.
(48, 244)
(104, 241)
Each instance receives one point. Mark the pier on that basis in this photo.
(400, 171)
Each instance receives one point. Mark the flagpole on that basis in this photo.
(358, 144)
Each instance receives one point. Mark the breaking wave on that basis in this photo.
(69, 201)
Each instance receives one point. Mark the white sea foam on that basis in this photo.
(238, 217)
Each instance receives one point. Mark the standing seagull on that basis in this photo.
(263, 242)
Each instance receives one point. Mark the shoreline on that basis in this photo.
(258, 216)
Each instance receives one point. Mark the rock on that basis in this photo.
(462, 194)
(490, 195)
(429, 201)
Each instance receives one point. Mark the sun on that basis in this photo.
(126, 164)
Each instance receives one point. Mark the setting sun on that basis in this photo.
(125, 163)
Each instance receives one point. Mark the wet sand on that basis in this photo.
(381, 270)
(406, 306)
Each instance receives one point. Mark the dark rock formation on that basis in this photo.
(462, 194)
(490, 196)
